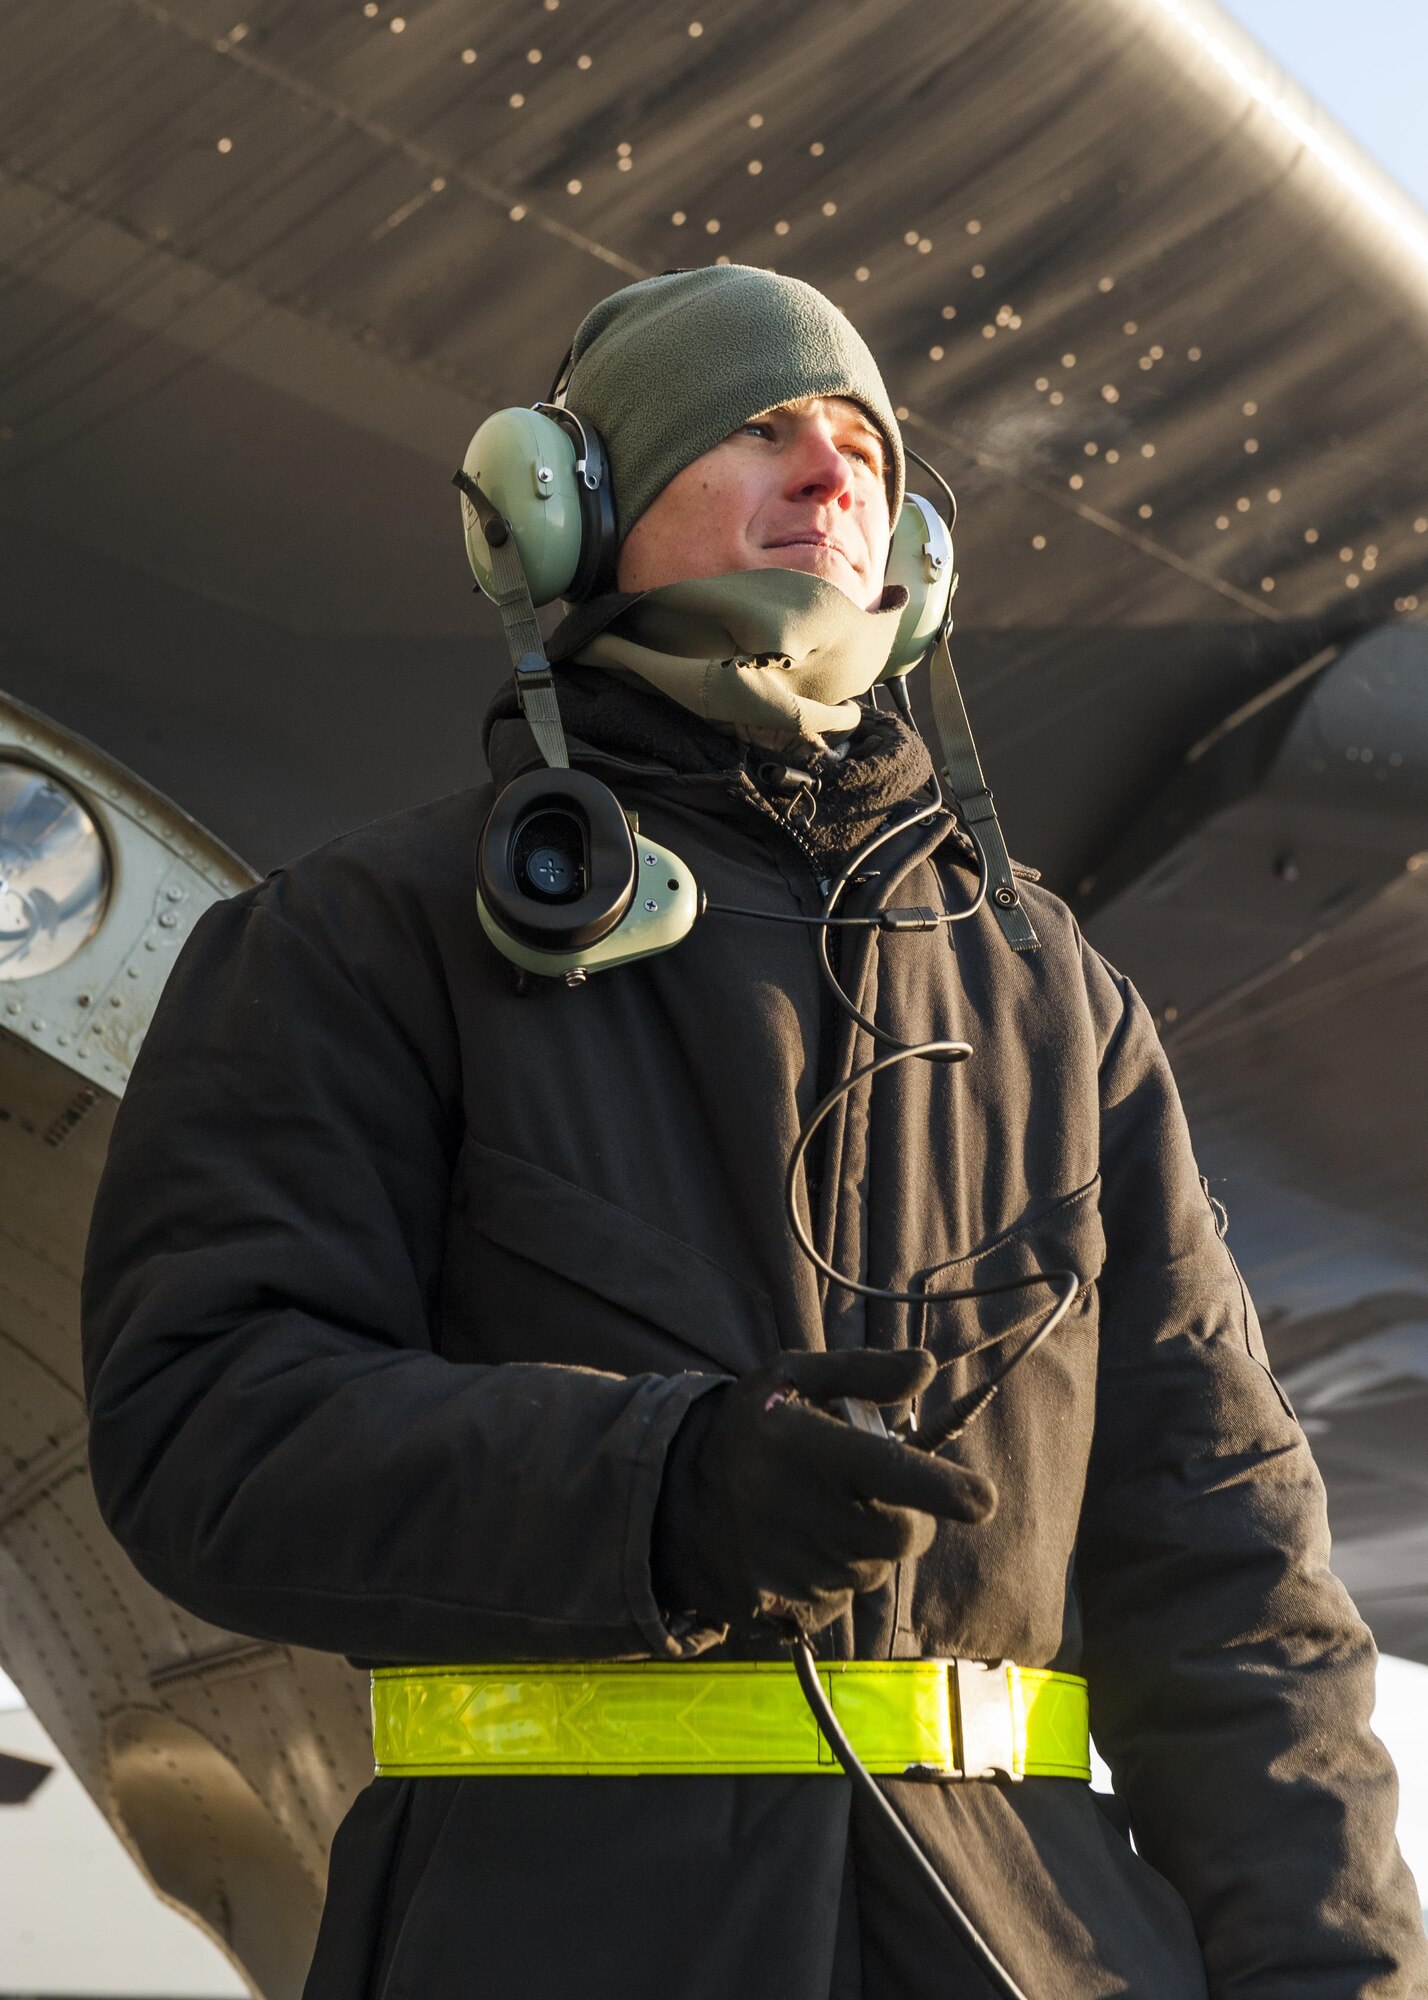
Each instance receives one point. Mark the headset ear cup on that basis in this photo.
(555, 863)
(525, 465)
(599, 543)
(921, 560)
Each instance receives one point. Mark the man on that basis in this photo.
(439, 1316)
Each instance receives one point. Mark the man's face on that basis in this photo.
(801, 487)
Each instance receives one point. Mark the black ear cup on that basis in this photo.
(599, 540)
(556, 860)
(599, 537)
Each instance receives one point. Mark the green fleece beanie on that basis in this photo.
(668, 368)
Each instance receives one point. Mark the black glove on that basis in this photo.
(771, 1505)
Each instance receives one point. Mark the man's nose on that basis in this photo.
(820, 471)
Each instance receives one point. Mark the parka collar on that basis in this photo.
(625, 733)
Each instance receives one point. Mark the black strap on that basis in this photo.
(535, 684)
(969, 786)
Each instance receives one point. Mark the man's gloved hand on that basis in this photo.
(770, 1504)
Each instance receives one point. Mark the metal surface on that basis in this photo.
(236, 380)
(1276, 897)
(222, 1765)
(1162, 327)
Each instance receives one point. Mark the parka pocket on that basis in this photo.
(1017, 1277)
(539, 1269)
(1062, 1236)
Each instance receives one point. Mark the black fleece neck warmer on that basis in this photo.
(884, 766)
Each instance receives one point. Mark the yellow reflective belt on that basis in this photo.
(955, 1718)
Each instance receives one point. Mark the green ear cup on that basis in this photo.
(921, 560)
(525, 463)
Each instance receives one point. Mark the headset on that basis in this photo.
(546, 473)
(563, 889)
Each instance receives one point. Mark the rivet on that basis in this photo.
(168, 920)
(174, 893)
(1007, 898)
(116, 1000)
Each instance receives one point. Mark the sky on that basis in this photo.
(1364, 63)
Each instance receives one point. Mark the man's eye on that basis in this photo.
(760, 429)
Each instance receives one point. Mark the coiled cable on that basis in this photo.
(967, 1408)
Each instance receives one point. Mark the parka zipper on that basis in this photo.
(749, 793)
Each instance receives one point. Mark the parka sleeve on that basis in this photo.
(275, 1440)
(1231, 1678)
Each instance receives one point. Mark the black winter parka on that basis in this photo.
(401, 1281)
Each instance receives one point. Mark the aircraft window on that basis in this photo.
(54, 873)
